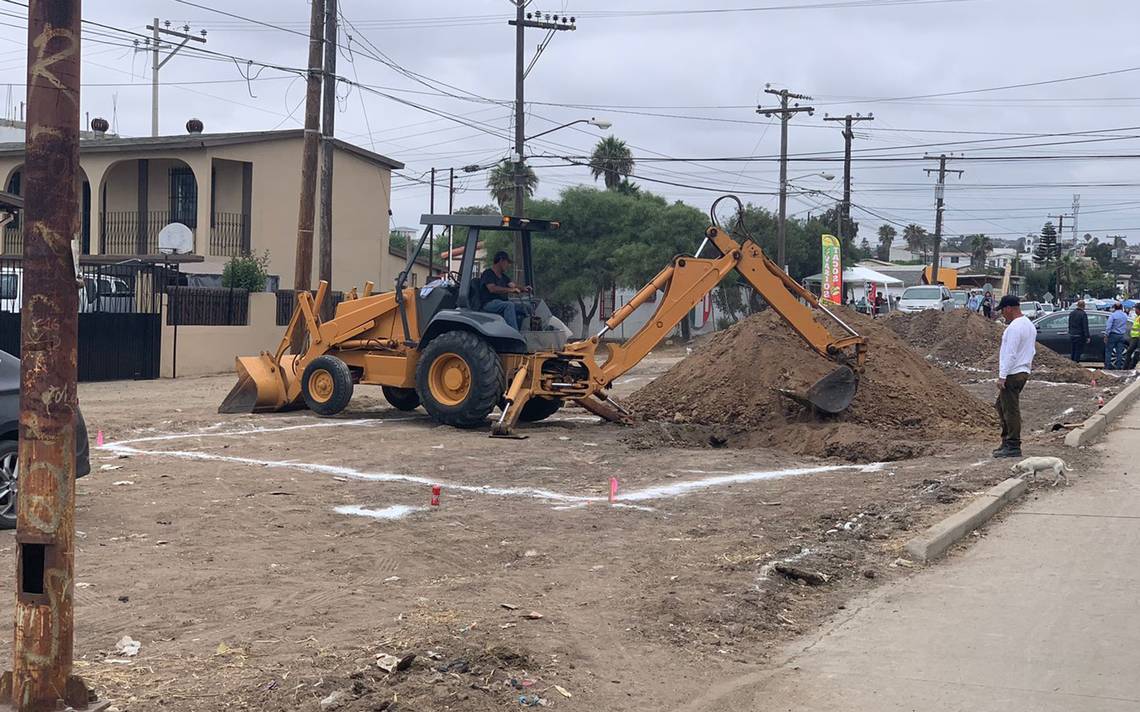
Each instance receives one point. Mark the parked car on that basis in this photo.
(9, 433)
(916, 299)
(961, 298)
(1053, 333)
(1031, 309)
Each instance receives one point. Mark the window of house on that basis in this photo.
(953, 260)
(183, 197)
(8, 284)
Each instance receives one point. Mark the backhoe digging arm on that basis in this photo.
(686, 282)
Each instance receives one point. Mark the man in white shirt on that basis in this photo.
(1018, 344)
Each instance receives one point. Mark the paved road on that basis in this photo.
(1040, 616)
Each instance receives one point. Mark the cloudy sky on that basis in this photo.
(681, 79)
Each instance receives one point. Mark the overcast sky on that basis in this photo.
(644, 71)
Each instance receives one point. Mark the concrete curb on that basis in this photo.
(1098, 422)
(934, 542)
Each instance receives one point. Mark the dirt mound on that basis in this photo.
(728, 388)
(968, 341)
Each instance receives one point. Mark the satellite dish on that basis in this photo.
(176, 239)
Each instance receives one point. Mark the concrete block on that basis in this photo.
(1098, 422)
(936, 540)
(1092, 428)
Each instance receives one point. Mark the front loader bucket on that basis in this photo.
(831, 394)
(262, 385)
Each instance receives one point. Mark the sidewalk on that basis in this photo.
(1040, 616)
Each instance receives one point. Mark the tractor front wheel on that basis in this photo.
(326, 385)
(460, 379)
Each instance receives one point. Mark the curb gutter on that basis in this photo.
(935, 541)
(1097, 423)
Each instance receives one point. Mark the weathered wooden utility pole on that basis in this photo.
(41, 678)
(303, 271)
(328, 116)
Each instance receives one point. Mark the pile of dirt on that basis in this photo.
(965, 340)
(727, 391)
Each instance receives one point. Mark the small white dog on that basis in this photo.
(1032, 465)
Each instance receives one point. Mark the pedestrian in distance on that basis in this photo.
(972, 303)
(988, 305)
(1132, 355)
(1078, 331)
(1015, 361)
(1115, 336)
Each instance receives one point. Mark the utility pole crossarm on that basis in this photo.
(158, 62)
(785, 111)
(938, 193)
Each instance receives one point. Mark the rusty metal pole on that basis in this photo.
(45, 527)
(303, 272)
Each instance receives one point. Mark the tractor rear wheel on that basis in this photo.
(326, 385)
(539, 408)
(401, 398)
(460, 379)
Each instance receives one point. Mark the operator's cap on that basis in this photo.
(1008, 300)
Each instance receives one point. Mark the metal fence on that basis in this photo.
(229, 234)
(287, 303)
(207, 306)
(13, 239)
(120, 306)
(129, 232)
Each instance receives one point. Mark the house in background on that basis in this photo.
(237, 192)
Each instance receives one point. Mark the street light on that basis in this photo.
(600, 123)
(823, 175)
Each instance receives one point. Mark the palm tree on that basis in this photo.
(501, 185)
(980, 246)
(612, 160)
(887, 235)
(915, 237)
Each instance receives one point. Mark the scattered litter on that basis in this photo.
(392, 579)
(563, 437)
(811, 578)
(333, 699)
(435, 492)
(123, 483)
(504, 626)
(509, 606)
(459, 665)
(433, 655)
(532, 701)
(905, 563)
(530, 553)
(124, 599)
(99, 439)
(161, 542)
(84, 584)
(563, 691)
(390, 663)
(128, 646)
(110, 467)
(533, 616)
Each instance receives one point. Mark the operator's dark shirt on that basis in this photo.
(489, 277)
(1078, 324)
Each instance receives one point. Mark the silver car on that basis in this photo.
(921, 298)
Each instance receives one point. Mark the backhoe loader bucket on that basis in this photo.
(831, 394)
(262, 385)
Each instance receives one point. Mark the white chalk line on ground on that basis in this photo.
(666, 491)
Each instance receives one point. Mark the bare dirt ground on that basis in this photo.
(216, 542)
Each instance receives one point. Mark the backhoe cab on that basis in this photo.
(435, 346)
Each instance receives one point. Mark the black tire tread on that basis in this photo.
(405, 399)
(342, 385)
(489, 381)
(539, 408)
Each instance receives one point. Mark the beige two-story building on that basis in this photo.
(237, 192)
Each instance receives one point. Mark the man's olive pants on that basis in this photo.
(1008, 405)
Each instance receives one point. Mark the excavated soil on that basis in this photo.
(964, 340)
(726, 393)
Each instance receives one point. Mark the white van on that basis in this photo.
(119, 297)
(921, 298)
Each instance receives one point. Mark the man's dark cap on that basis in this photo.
(502, 255)
(1008, 300)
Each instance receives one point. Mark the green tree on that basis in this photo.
(979, 246)
(612, 160)
(887, 234)
(916, 240)
(1101, 252)
(1047, 250)
(501, 185)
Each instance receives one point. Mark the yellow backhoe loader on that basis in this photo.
(434, 346)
